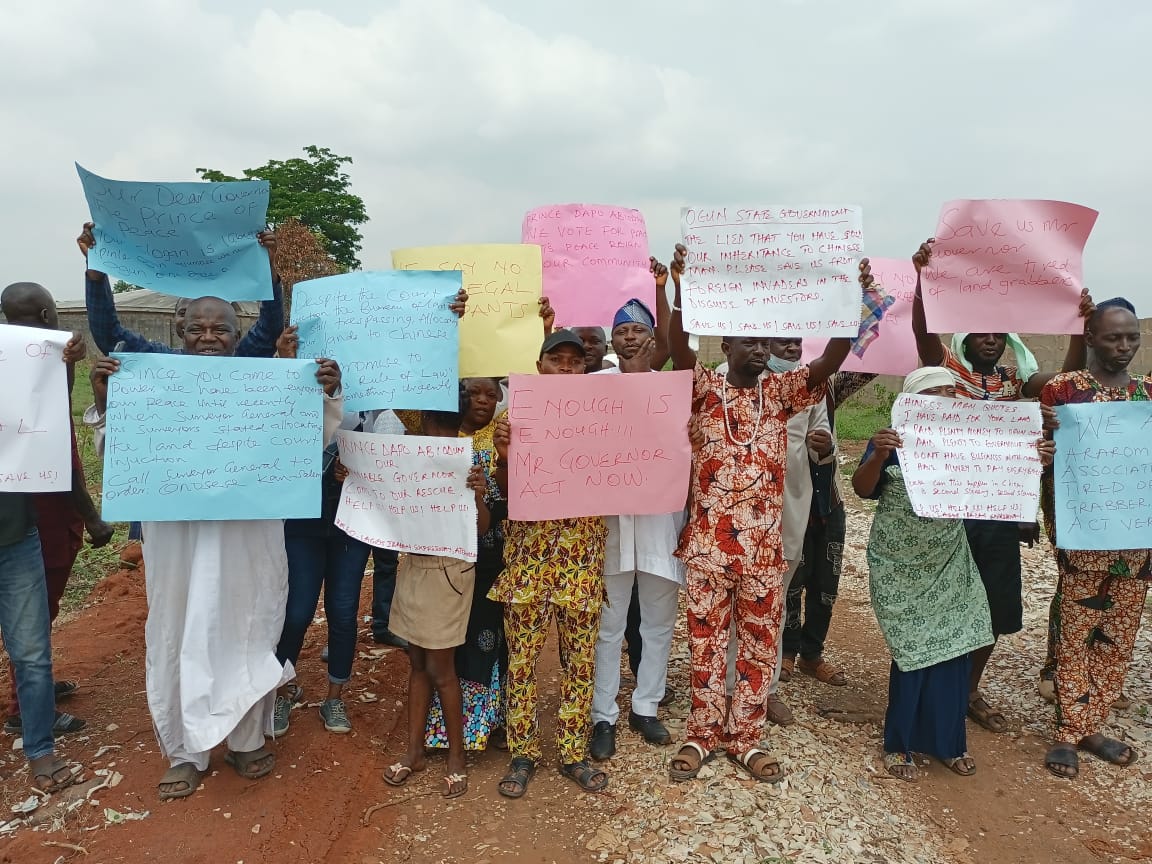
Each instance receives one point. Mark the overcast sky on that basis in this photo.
(460, 114)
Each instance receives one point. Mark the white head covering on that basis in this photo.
(1026, 365)
(927, 378)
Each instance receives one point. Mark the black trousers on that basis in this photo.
(814, 587)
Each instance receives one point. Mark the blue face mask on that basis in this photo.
(779, 364)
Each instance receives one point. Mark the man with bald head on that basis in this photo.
(61, 517)
(217, 592)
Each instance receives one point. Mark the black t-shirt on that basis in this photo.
(16, 517)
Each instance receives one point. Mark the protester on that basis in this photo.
(929, 603)
(553, 568)
(61, 517)
(816, 583)
(430, 612)
(107, 332)
(1101, 593)
(25, 616)
(731, 544)
(639, 553)
(216, 598)
(385, 562)
(974, 360)
(595, 348)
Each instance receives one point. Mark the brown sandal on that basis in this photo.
(779, 713)
(980, 711)
(823, 671)
(691, 757)
(787, 667)
(758, 765)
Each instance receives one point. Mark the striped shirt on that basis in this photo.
(1001, 385)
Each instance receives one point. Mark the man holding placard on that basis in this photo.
(1102, 588)
(732, 544)
(216, 601)
(61, 517)
(974, 361)
(553, 567)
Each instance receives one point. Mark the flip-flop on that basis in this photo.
(185, 773)
(398, 774)
(1111, 750)
(456, 785)
(1064, 756)
(243, 763)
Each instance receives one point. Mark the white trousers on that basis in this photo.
(248, 735)
(658, 609)
(730, 678)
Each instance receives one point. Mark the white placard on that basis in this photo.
(35, 435)
(409, 493)
(772, 271)
(964, 459)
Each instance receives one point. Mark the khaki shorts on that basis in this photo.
(433, 601)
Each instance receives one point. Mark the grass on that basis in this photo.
(91, 565)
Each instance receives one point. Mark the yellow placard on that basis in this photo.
(501, 332)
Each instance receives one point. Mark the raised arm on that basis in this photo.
(867, 476)
(928, 345)
(1075, 358)
(260, 341)
(103, 322)
(660, 352)
(836, 351)
(683, 357)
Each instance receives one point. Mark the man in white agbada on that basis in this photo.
(216, 598)
(809, 438)
(639, 551)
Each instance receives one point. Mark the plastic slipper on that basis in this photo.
(456, 785)
(48, 779)
(62, 725)
(960, 765)
(518, 777)
(585, 775)
(1062, 756)
(244, 763)
(680, 775)
(754, 766)
(398, 774)
(64, 689)
(1110, 750)
(900, 760)
(185, 773)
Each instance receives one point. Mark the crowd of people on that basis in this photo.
(756, 553)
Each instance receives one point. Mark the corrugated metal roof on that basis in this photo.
(143, 300)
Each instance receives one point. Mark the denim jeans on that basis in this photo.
(26, 629)
(337, 564)
(384, 564)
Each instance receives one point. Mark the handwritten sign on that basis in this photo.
(598, 445)
(501, 330)
(194, 438)
(392, 333)
(595, 260)
(186, 239)
(772, 271)
(969, 460)
(409, 493)
(35, 435)
(1103, 475)
(893, 351)
(1007, 265)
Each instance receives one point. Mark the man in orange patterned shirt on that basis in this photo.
(732, 544)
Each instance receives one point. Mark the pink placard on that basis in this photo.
(598, 445)
(595, 260)
(1007, 265)
(893, 352)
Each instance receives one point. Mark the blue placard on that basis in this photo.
(192, 438)
(1103, 476)
(392, 333)
(186, 239)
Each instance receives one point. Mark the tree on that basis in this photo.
(121, 286)
(300, 256)
(315, 191)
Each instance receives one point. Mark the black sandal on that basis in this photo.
(584, 775)
(1110, 750)
(1062, 756)
(522, 771)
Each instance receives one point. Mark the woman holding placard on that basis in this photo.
(929, 602)
(1101, 594)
